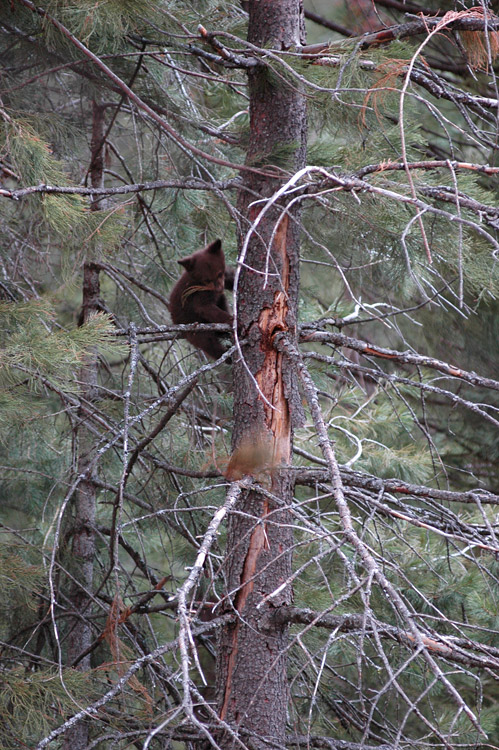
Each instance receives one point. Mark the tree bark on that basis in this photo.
(252, 664)
(83, 530)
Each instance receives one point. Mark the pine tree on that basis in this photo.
(293, 546)
(252, 664)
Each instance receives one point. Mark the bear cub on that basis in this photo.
(198, 296)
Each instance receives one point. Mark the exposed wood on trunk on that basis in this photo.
(270, 377)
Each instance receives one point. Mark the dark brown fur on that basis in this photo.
(198, 296)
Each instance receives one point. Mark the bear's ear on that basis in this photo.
(188, 263)
(214, 248)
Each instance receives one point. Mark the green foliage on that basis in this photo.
(62, 215)
(32, 348)
(33, 703)
(362, 256)
(100, 25)
(21, 581)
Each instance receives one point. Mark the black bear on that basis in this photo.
(198, 296)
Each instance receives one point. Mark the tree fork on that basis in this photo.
(252, 664)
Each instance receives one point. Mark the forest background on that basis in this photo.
(296, 545)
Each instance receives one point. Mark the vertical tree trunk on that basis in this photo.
(252, 664)
(83, 531)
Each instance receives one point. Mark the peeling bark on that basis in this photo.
(252, 667)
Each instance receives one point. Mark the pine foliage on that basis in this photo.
(396, 258)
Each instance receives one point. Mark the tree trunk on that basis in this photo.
(252, 664)
(83, 530)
